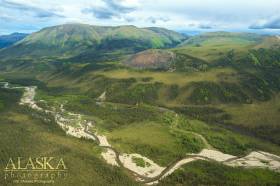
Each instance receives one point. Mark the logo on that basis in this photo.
(35, 170)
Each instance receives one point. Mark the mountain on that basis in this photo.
(171, 35)
(73, 39)
(198, 52)
(223, 38)
(269, 42)
(8, 40)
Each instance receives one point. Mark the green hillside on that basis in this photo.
(73, 39)
(222, 38)
(198, 53)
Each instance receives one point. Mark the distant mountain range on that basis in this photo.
(8, 40)
(88, 43)
(224, 38)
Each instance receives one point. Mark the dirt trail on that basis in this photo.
(74, 125)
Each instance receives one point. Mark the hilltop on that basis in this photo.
(70, 40)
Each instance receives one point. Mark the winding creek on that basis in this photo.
(74, 125)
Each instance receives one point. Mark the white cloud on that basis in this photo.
(173, 14)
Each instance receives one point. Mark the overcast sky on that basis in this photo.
(32, 15)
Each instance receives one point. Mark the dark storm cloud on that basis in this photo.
(38, 12)
(112, 9)
(154, 20)
(5, 17)
(270, 24)
(205, 26)
(116, 6)
(100, 13)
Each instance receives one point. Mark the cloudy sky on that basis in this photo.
(32, 15)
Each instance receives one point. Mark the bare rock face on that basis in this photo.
(152, 59)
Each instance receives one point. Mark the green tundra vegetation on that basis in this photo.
(211, 173)
(25, 135)
(8, 98)
(223, 86)
(140, 162)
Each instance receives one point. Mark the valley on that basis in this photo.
(151, 172)
(149, 107)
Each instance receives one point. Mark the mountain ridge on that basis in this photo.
(10, 39)
(73, 39)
